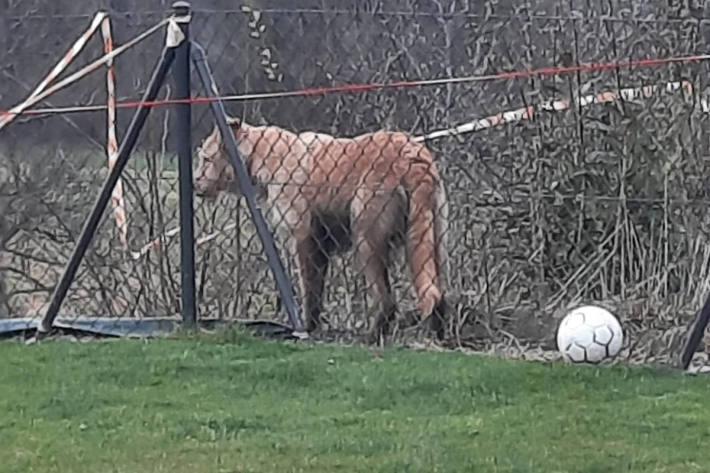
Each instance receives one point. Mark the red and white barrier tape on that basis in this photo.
(174, 231)
(41, 92)
(7, 116)
(63, 63)
(117, 200)
(526, 113)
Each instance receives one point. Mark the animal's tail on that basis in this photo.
(426, 235)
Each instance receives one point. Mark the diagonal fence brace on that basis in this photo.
(283, 283)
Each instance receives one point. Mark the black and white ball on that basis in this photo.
(589, 334)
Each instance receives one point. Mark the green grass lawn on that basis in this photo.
(234, 404)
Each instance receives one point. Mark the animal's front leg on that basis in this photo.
(292, 220)
(297, 222)
(312, 265)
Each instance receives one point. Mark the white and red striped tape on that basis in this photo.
(8, 116)
(527, 113)
(117, 200)
(41, 92)
(63, 63)
(145, 249)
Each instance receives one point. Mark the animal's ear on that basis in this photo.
(211, 140)
(234, 122)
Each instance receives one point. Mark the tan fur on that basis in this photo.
(327, 194)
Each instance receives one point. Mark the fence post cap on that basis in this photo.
(181, 7)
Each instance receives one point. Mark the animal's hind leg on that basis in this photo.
(374, 218)
(370, 262)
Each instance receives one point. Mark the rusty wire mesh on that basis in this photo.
(602, 203)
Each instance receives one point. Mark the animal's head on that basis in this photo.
(214, 173)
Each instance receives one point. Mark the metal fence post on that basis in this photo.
(181, 74)
(695, 336)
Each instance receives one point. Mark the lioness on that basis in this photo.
(373, 192)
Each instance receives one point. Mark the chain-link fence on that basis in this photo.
(591, 197)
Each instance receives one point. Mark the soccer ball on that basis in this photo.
(589, 334)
